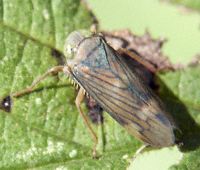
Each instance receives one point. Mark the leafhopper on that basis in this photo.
(104, 74)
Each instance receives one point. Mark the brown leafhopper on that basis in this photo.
(104, 74)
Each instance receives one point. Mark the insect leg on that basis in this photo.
(29, 89)
(140, 150)
(78, 101)
(140, 60)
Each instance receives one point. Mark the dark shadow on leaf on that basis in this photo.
(58, 56)
(95, 112)
(190, 130)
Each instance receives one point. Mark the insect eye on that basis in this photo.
(69, 51)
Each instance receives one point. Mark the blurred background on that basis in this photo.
(171, 20)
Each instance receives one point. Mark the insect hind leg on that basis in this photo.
(140, 150)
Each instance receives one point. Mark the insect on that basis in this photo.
(102, 73)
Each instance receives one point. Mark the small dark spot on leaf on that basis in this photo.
(6, 104)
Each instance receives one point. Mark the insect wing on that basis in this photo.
(105, 75)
